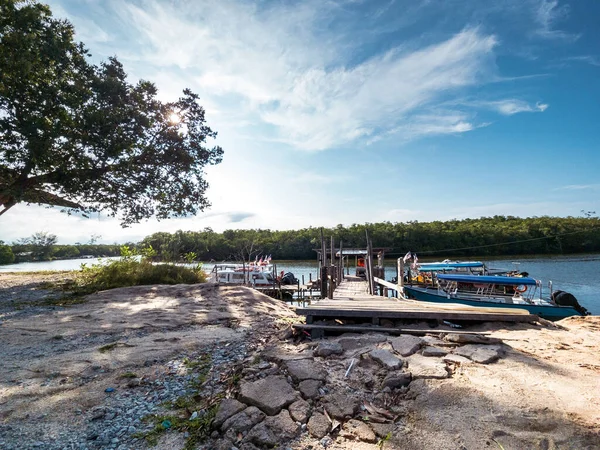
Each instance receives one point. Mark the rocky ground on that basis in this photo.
(212, 367)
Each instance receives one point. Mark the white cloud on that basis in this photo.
(546, 14)
(590, 59)
(509, 107)
(297, 78)
(579, 187)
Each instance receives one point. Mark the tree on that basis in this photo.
(6, 254)
(79, 136)
(39, 244)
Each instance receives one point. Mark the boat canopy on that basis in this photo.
(437, 266)
(488, 279)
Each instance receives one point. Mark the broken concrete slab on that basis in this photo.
(341, 406)
(350, 343)
(270, 394)
(471, 339)
(423, 367)
(433, 351)
(305, 369)
(243, 421)
(483, 354)
(282, 425)
(310, 388)
(406, 344)
(325, 349)
(227, 408)
(386, 358)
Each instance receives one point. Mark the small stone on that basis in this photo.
(406, 344)
(433, 351)
(397, 380)
(386, 359)
(318, 425)
(325, 349)
(310, 388)
(299, 411)
(382, 430)
(359, 430)
(457, 359)
(326, 442)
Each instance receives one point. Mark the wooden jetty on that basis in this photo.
(352, 302)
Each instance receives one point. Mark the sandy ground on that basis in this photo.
(544, 394)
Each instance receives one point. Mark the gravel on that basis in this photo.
(113, 424)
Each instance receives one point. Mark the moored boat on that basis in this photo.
(498, 291)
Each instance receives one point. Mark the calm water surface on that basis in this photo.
(579, 275)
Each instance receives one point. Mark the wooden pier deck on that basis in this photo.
(351, 300)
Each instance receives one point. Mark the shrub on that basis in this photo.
(132, 270)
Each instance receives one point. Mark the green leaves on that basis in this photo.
(80, 136)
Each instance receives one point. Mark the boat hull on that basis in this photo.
(545, 312)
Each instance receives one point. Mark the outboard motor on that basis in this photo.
(562, 298)
(289, 278)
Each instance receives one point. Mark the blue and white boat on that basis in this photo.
(498, 291)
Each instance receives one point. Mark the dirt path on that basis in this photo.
(59, 365)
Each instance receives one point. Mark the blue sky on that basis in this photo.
(350, 111)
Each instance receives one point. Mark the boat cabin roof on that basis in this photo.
(436, 266)
(488, 279)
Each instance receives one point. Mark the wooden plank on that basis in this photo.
(417, 315)
(367, 329)
(387, 284)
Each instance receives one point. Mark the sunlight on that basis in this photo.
(174, 118)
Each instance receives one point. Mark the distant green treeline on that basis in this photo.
(487, 236)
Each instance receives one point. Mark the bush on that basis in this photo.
(132, 271)
(6, 254)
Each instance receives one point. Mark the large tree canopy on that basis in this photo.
(77, 135)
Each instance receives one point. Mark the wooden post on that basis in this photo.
(323, 282)
(341, 263)
(332, 251)
(323, 251)
(400, 279)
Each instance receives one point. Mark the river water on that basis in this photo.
(579, 275)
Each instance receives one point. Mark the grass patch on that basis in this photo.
(65, 300)
(199, 429)
(183, 407)
(108, 347)
(128, 375)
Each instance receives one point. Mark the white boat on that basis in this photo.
(254, 278)
(256, 274)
